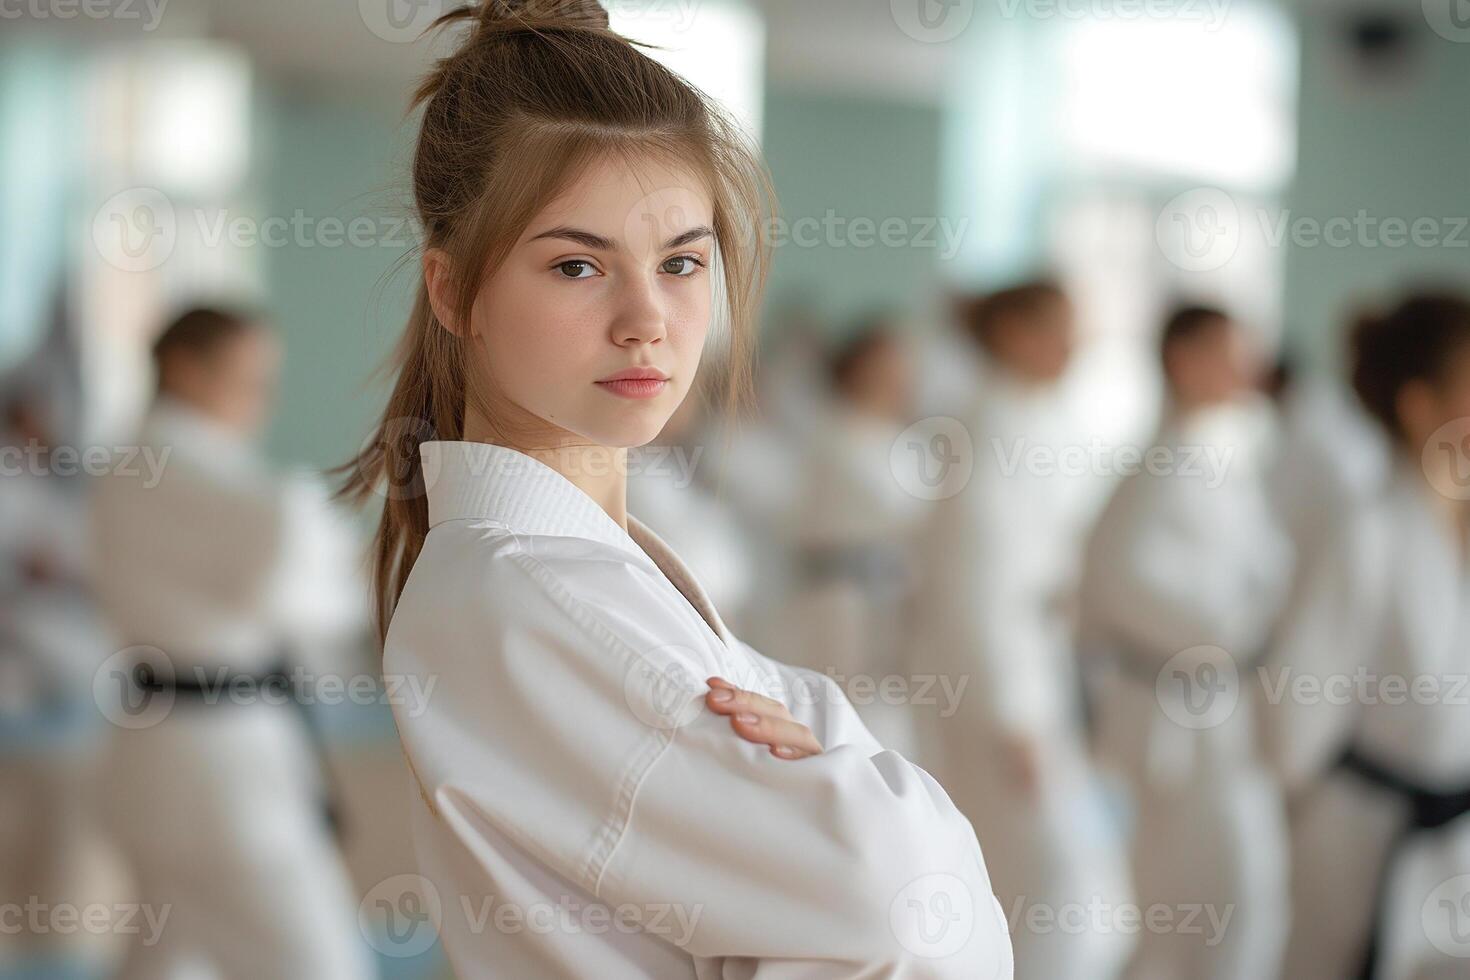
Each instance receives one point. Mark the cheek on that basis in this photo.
(687, 317)
(534, 332)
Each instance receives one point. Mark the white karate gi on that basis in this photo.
(999, 562)
(1332, 459)
(1390, 604)
(1188, 555)
(216, 806)
(566, 761)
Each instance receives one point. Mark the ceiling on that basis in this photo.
(853, 46)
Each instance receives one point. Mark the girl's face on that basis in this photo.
(611, 277)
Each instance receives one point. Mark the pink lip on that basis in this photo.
(635, 387)
(636, 374)
(635, 382)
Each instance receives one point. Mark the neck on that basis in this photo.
(601, 472)
(1440, 473)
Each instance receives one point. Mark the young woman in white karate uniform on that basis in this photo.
(1369, 723)
(1185, 574)
(601, 760)
(211, 568)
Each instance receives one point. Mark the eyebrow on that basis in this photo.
(595, 241)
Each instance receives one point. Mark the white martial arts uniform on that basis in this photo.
(1382, 634)
(216, 806)
(572, 780)
(852, 613)
(999, 563)
(1185, 574)
(1332, 459)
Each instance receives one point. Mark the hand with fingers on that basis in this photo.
(762, 720)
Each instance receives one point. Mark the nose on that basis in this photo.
(640, 316)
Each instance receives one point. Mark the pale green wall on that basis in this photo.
(341, 157)
(860, 158)
(1395, 150)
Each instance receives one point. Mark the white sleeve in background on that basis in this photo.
(319, 593)
(993, 578)
(1334, 627)
(578, 733)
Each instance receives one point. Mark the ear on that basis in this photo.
(443, 290)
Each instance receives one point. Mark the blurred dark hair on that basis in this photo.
(1187, 323)
(199, 331)
(869, 334)
(982, 315)
(1412, 342)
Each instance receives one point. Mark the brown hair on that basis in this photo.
(199, 332)
(1187, 323)
(537, 91)
(981, 316)
(1412, 342)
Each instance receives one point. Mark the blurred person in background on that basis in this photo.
(51, 641)
(756, 464)
(669, 482)
(1380, 779)
(1184, 577)
(852, 613)
(219, 578)
(1332, 459)
(1000, 565)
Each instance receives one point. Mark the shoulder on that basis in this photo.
(509, 616)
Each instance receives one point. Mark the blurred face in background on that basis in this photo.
(233, 382)
(1036, 345)
(1426, 405)
(1213, 366)
(879, 381)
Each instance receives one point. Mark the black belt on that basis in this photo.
(276, 676)
(1428, 810)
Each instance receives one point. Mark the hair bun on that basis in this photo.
(580, 13)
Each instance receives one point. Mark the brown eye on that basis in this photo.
(690, 265)
(573, 269)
